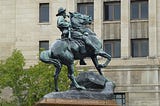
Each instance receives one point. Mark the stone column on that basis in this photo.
(158, 28)
(98, 17)
(152, 28)
(125, 28)
(154, 40)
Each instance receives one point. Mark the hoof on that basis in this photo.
(82, 62)
(57, 90)
(101, 66)
(81, 88)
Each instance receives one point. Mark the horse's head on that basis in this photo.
(78, 19)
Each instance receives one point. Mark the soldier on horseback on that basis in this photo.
(65, 51)
(65, 27)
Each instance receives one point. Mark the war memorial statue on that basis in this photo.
(77, 42)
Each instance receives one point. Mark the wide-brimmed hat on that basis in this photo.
(60, 11)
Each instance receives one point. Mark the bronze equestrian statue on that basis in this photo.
(77, 42)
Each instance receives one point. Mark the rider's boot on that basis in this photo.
(82, 49)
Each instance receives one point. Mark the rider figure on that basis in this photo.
(62, 23)
(64, 26)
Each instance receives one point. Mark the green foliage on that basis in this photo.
(32, 84)
(7, 104)
(11, 72)
(38, 81)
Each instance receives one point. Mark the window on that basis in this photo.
(140, 47)
(139, 10)
(43, 45)
(86, 8)
(112, 11)
(120, 99)
(112, 47)
(43, 12)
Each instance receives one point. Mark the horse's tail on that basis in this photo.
(45, 57)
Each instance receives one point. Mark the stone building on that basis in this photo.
(129, 30)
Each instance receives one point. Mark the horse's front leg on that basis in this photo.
(58, 69)
(105, 55)
(72, 78)
(95, 61)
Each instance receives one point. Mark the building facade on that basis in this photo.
(128, 29)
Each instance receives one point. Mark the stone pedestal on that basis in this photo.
(99, 92)
(75, 102)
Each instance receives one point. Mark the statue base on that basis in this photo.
(75, 102)
(80, 97)
(102, 96)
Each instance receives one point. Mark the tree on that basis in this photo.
(31, 84)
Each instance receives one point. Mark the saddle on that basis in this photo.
(79, 42)
(81, 45)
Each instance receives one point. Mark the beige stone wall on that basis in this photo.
(27, 32)
(7, 27)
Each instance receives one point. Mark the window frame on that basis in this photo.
(112, 4)
(86, 5)
(40, 21)
(113, 46)
(40, 43)
(139, 10)
(139, 42)
(122, 98)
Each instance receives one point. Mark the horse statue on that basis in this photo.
(65, 51)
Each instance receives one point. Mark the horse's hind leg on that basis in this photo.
(72, 78)
(58, 69)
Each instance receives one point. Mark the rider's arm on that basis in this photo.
(61, 22)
